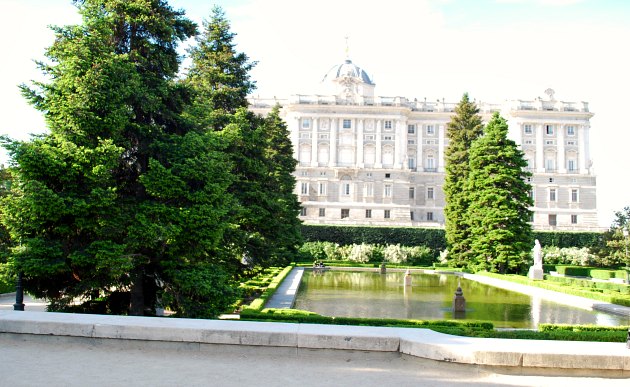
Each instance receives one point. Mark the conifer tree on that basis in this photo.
(464, 128)
(122, 205)
(219, 75)
(265, 221)
(499, 202)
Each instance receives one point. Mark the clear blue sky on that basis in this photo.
(492, 49)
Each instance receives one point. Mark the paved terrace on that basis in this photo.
(523, 356)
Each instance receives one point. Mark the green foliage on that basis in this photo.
(564, 239)
(612, 247)
(498, 213)
(607, 292)
(258, 304)
(574, 271)
(432, 238)
(148, 191)
(364, 253)
(465, 127)
(567, 256)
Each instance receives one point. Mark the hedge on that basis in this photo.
(259, 302)
(574, 271)
(433, 238)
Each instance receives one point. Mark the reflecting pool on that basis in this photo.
(430, 297)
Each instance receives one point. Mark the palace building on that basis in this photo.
(369, 160)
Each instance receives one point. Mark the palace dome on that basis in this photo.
(347, 69)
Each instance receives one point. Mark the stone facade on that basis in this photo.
(370, 160)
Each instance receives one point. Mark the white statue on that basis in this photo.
(537, 255)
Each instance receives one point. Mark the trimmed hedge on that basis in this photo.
(259, 303)
(434, 238)
(574, 271)
(613, 297)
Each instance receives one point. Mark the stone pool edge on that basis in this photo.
(422, 343)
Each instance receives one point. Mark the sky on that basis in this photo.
(495, 50)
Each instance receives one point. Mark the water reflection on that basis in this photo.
(371, 294)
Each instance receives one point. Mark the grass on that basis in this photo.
(591, 292)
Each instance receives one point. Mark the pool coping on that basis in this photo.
(422, 343)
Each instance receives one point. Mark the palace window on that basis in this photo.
(574, 219)
(571, 165)
(345, 213)
(387, 191)
(430, 216)
(322, 188)
(430, 193)
(412, 192)
(369, 189)
(368, 213)
(388, 125)
(527, 129)
(347, 124)
(387, 214)
(411, 215)
(411, 129)
(549, 129)
(574, 195)
(345, 189)
(302, 211)
(553, 221)
(430, 129)
(304, 188)
(322, 212)
(411, 162)
(570, 130)
(552, 194)
(306, 123)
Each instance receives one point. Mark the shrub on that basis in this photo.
(418, 255)
(568, 256)
(394, 254)
(575, 271)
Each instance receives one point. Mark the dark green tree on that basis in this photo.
(498, 196)
(265, 222)
(219, 75)
(123, 204)
(464, 128)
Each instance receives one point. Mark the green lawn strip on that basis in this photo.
(592, 292)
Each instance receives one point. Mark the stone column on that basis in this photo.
(562, 168)
(332, 153)
(359, 148)
(582, 149)
(379, 146)
(540, 149)
(440, 158)
(401, 144)
(419, 145)
(314, 142)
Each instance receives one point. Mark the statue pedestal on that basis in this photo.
(536, 273)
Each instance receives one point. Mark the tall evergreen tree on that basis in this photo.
(265, 224)
(123, 200)
(219, 75)
(499, 202)
(464, 128)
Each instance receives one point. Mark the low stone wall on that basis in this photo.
(422, 343)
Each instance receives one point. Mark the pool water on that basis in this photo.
(430, 297)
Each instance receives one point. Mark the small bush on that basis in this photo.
(575, 271)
